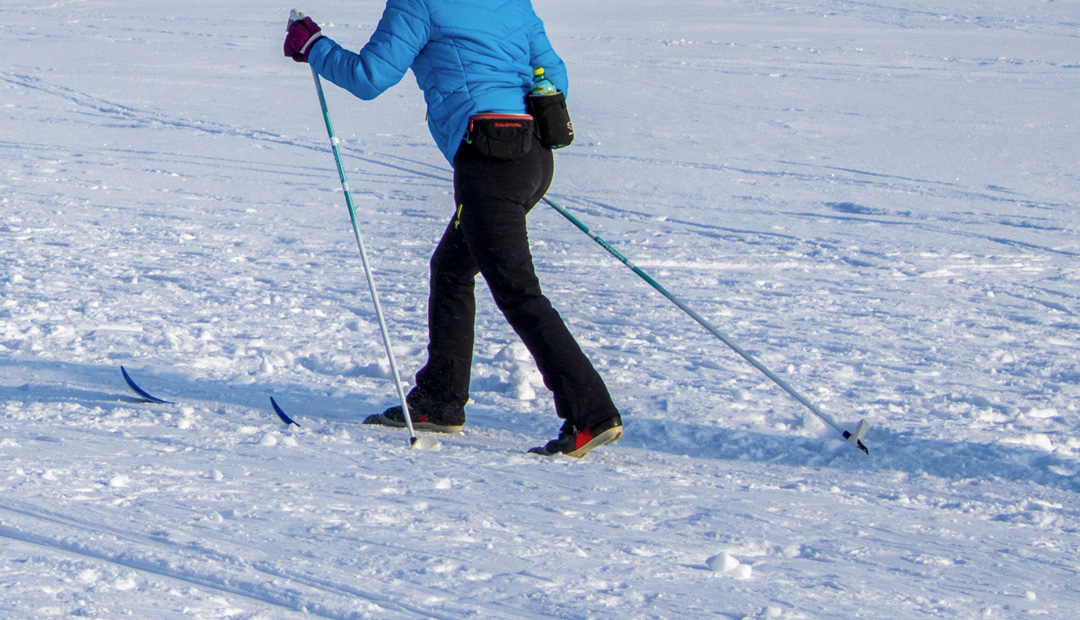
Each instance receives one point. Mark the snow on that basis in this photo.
(878, 200)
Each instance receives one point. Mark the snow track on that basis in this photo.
(210, 569)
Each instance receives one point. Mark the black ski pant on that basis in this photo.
(488, 236)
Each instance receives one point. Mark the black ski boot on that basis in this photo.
(577, 444)
(428, 414)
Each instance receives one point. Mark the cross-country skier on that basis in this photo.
(474, 60)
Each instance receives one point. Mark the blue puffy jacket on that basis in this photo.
(468, 56)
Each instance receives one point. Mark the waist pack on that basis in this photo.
(553, 125)
(501, 136)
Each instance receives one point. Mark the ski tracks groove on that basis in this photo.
(198, 565)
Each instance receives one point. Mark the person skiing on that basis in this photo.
(474, 61)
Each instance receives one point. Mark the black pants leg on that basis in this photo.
(489, 237)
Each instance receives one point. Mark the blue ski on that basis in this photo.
(146, 396)
(150, 398)
(281, 413)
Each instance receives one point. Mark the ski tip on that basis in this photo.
(146, 396)
(281, 413)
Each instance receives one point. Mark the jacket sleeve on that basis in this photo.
(543, 55)
(402, 32)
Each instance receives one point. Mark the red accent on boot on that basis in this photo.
(582, 438)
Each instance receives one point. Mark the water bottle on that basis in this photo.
(541, 85)
(548, 107)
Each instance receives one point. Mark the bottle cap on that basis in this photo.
(538, 71)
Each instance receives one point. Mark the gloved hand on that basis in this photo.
(300, 35)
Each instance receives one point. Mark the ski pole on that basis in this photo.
(854, 438)
(427, 442)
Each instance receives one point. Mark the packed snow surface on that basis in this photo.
(878, 200)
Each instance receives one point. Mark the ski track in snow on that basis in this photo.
(878, 200)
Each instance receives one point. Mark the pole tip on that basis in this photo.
(856, 438)
(424, 442)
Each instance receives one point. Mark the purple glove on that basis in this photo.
(302, 33)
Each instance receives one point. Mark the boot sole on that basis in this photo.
(382, 420)
(611, 435)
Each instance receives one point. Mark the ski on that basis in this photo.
(143, 394)
(150, 398)
(281, 413)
